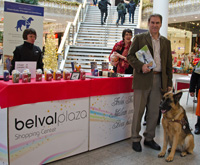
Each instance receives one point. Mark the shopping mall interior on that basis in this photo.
(79, 37)
(183, 28)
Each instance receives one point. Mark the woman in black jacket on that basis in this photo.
(194, 87)
(28, 51)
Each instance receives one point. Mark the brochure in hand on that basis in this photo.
(145, 56)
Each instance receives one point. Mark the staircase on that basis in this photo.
(95, 41)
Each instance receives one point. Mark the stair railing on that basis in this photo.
(66, 40)
(80, 17)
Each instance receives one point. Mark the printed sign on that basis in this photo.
(21, 66)
(110, 119)
(3, 137)
(18, 17)
(48, 131)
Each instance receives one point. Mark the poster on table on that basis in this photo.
(48, 131)
(3, 137)
(110, 119)
(17, 18)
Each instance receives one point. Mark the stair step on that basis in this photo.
(85, 62)
(75, 54)
(87, 47)
(85, 66)
(98, 35)
(95, 45)
(83, 58)
(89, 50)
(98, 39)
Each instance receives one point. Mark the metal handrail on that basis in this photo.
(74, 24)
(79, 16)
(66, 37)
(76, 19)
(66, 34)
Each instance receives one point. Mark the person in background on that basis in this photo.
(125, 11)
(196, 49)
(148, 83)
(1, 54)
(28, 51)
(131, 9)
(104, 10)
(94, 2)
(120, 9)
(119, 53)
(194, 87)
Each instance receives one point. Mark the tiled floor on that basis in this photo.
(121, 153)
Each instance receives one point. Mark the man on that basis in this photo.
(120, 9)
(125, 11)
(104, 10)
(148, 83)
(131, 10)
(95, 2)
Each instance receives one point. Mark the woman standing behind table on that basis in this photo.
(28, 51)
(119, 53)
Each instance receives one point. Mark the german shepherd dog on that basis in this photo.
(176, 127)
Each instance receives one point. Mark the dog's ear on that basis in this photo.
(177, 97)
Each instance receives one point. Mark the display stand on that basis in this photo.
(54, 120)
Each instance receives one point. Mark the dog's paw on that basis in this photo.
(183, 154)
(161, 154)
(169, 159)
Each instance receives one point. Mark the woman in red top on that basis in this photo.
(119, 53)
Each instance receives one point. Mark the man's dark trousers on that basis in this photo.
(102, 14)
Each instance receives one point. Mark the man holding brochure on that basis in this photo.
(148, 81)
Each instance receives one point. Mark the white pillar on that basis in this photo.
(140, 14)
(161, 7)
(111, 1)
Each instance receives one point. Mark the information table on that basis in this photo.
(182, 83)
(51, 120)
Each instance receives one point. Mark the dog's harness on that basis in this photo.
(183, 122)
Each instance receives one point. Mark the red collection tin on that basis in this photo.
(66, 75)
(24, 77)
(82, 74)
(58, 76)
(38, 77)
(49, 76)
